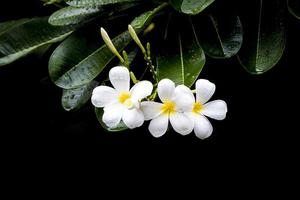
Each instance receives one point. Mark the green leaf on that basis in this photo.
(131, 56)
(74, 99)
(120, 127)
(20, 40)
(182, 57)
(95, 3)
(264, 38)
(73, 64)
(294, 8)
(176, 4)
(194, 7)
(220, 34)
(48, 2)
(69, 67)
(71, 15)
(144, 19)
(5, 26)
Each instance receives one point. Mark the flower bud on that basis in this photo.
(110, 45)
(136, 38)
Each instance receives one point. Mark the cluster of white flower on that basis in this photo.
(178, 106)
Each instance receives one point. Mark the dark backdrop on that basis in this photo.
(258, 130)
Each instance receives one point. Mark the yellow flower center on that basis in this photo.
(124, 96)
(168, 107)
(197, 107)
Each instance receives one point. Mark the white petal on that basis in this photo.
(184, 99)
(151, 109)
(181, 123)
(141, 90)
(159, 125)
(133, 118)
(204, 90)
(113, 115)
(202, 128)
(215, 109)
(119, 78)
(165, 89)
(103, 96)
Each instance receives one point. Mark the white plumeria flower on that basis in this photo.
(119, 102)
(215, 109)
(175, 102)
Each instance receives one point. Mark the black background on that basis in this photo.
(259, 129)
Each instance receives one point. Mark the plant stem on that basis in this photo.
(147, 57)
(152, 68)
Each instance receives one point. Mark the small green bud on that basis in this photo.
(133, 78)
(125, 56)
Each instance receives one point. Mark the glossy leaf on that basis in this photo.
(74, 99)
(73, 64)
(95, 3)
(194, 7)
(131, 56)
(23, 39)
(71, 15)
(76, 61)
(145, 18)
(176, 4)
(294, 7)
(5, 26)
(48, 2)
(182, 57)
(120, 127)
(265, 35)
(220, 34)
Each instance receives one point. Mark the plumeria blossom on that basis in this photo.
(121, 102)
(215, 109)
(176, 102)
